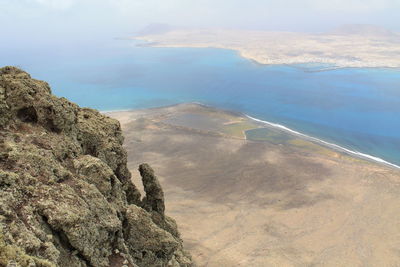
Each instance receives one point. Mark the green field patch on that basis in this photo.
(238, 129)
(311, 146)
(268, 134)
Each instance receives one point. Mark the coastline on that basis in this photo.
(333, 66)
(327, 144)
(319, 141)
(220, 188)
(261, 59)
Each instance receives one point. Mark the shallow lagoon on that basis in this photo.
(355, 108)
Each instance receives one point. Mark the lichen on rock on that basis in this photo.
(66, 195)
(154, 199)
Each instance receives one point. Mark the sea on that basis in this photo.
(357, 109)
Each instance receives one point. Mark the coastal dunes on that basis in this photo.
(347, 46)
(274, 199)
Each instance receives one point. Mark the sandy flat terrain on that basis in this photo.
(281, 201)
(334, 49)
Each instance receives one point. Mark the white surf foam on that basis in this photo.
(340, 148)
(284, 128)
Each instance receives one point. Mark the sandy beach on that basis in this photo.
(279, 201)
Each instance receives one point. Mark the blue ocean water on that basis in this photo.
(356, 108)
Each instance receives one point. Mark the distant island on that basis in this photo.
(346, 46)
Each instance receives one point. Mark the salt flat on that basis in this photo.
(281, 201)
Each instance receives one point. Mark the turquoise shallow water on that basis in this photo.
(356, 108)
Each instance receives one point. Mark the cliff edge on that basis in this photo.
(66, 196)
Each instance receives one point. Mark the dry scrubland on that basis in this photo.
(279, 202)
(362, 47)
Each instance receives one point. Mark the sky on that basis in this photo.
(38, 21)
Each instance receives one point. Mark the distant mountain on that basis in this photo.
(362, 29)
(155, 28)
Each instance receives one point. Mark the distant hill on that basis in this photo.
(155, 28)
(362, 29)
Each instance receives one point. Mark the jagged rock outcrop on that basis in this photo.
(154, 199)
(66, 197)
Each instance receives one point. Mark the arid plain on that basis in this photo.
(276, 200)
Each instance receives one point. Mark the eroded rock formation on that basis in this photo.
(66, 196)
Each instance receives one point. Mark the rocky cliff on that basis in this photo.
(66, 197)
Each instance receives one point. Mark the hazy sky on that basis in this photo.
(85, 19)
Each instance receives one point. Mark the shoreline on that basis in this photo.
(280, 127)
(220, 188)
(334, 65)
(327, 144)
